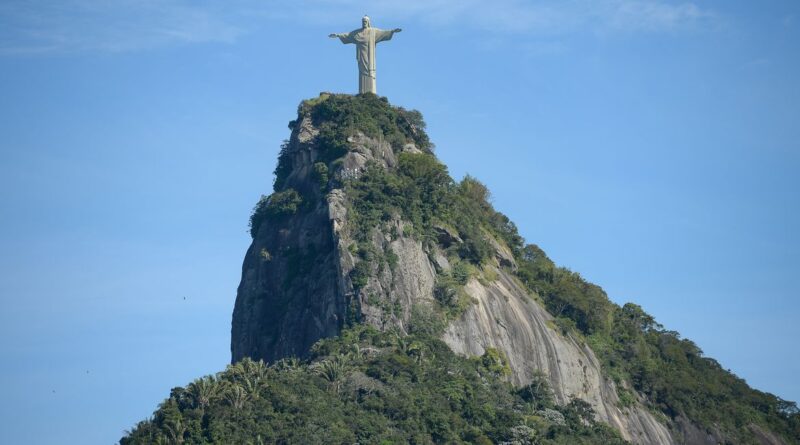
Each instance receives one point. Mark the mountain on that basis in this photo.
(383, 302)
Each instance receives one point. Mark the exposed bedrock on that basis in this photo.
(297, 288)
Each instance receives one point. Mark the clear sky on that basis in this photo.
(651, 145)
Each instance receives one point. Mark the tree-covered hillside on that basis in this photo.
(669, 371)
(369, 387)
(372, 387)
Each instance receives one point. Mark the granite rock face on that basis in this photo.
(507, 319)
(296, 286)
(279, 311)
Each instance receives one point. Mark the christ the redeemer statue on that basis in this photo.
(365, 39)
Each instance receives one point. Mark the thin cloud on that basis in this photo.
(79, 25)
(654, 16)
(40, 27)
(510, 16)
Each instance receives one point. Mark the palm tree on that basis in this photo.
(252, 367)
(236, 396)
(202, 391)
(356, 352)
(332, 370)
(287, 364)
(247, 366)
(250, 375)
(175, 429)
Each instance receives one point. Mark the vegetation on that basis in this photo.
(321, 175)
(276, 205)
(434, 209)
(669, 371)
(417, 191)
(420, 191)
(369, 387)
(449, 290)
(340, 116)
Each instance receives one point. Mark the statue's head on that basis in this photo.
(365, 21)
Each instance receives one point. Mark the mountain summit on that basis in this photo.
(383, 302)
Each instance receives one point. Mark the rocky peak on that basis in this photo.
(366, 226)
(279, 311)
(390, 303)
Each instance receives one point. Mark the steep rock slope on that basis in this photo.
(290, 294)
(296, 285)
(505, 318)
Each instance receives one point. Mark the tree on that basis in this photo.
(236, 396)
(332, 370)
(202, 391)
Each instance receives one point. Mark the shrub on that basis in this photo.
(391, 258)
(340, 116)
(276, 205)
(258, 215)
(449, 292)
(494, 361)
(360, 274)
(538, 392)
(425, 321)
(283, 168)
(321, 175)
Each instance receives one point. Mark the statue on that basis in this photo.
(365, 40)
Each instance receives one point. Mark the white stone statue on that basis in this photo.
(365, 39)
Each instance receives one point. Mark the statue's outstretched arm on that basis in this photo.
(345, 38)
(382, 36)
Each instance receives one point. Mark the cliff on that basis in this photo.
(304, 290)
(365, 229)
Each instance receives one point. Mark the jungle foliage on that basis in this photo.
(670, 372)
(339, 116)
(369, 387)
(457, 216)
(276, 205)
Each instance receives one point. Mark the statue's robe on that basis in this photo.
(365, 40)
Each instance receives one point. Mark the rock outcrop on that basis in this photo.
(297, 287)
(507, 319)
(312, 271)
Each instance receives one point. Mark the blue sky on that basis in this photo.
(651, 145)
